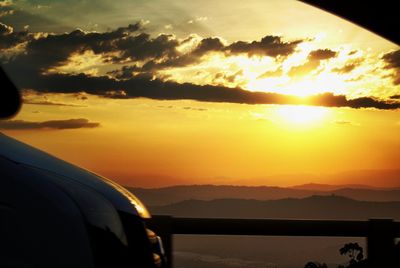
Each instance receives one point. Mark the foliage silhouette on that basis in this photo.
(354, 251)
(315, 265)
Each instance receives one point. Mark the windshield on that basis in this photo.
(201, 92)
(262, 100)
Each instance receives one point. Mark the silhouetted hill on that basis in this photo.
(174, 194)
(314, 207)
(381, 178)
(331, 187)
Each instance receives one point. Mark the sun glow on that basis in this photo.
(301, 87)
(301, 115)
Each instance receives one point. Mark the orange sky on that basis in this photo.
(224, 144)
(350, 136)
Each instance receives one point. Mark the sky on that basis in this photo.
(157, 93)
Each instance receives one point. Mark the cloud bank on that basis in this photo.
(52, 124)
(141, 55)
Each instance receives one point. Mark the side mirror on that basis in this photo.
(10, 98)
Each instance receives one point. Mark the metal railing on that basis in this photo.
(380, 233)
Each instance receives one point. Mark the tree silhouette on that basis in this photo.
(355, 252)
(315, 265)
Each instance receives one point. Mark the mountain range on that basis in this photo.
(174, 194)
(314, 207)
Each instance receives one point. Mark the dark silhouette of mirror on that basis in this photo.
(10, 99)
(378, 17)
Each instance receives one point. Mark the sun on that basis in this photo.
(298, 115)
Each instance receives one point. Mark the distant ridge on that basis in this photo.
(331, 187)
(174, 194)
(313, 207)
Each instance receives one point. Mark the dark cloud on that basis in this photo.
(194, 108)
(392, 60)
(134, 81)
(232, 78)
(126, 72)
(227, 78)
(167, 107)
(51, 103)
(345, 69)
(352, 52)
(396, 78)
(128, 45)
(304, 69)
(54, 50)
(9, 38)
(272, 46)
(137, 87)
(395, 97)
(143, 47)
(314, 59)
(81, 96)
(52, 124)
(330, 100)
(181, 60)
(207, 45)
(322, 54)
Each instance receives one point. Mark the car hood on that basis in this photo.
(120, 197)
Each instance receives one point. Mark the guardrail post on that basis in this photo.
(380, 243)
(162, 226)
